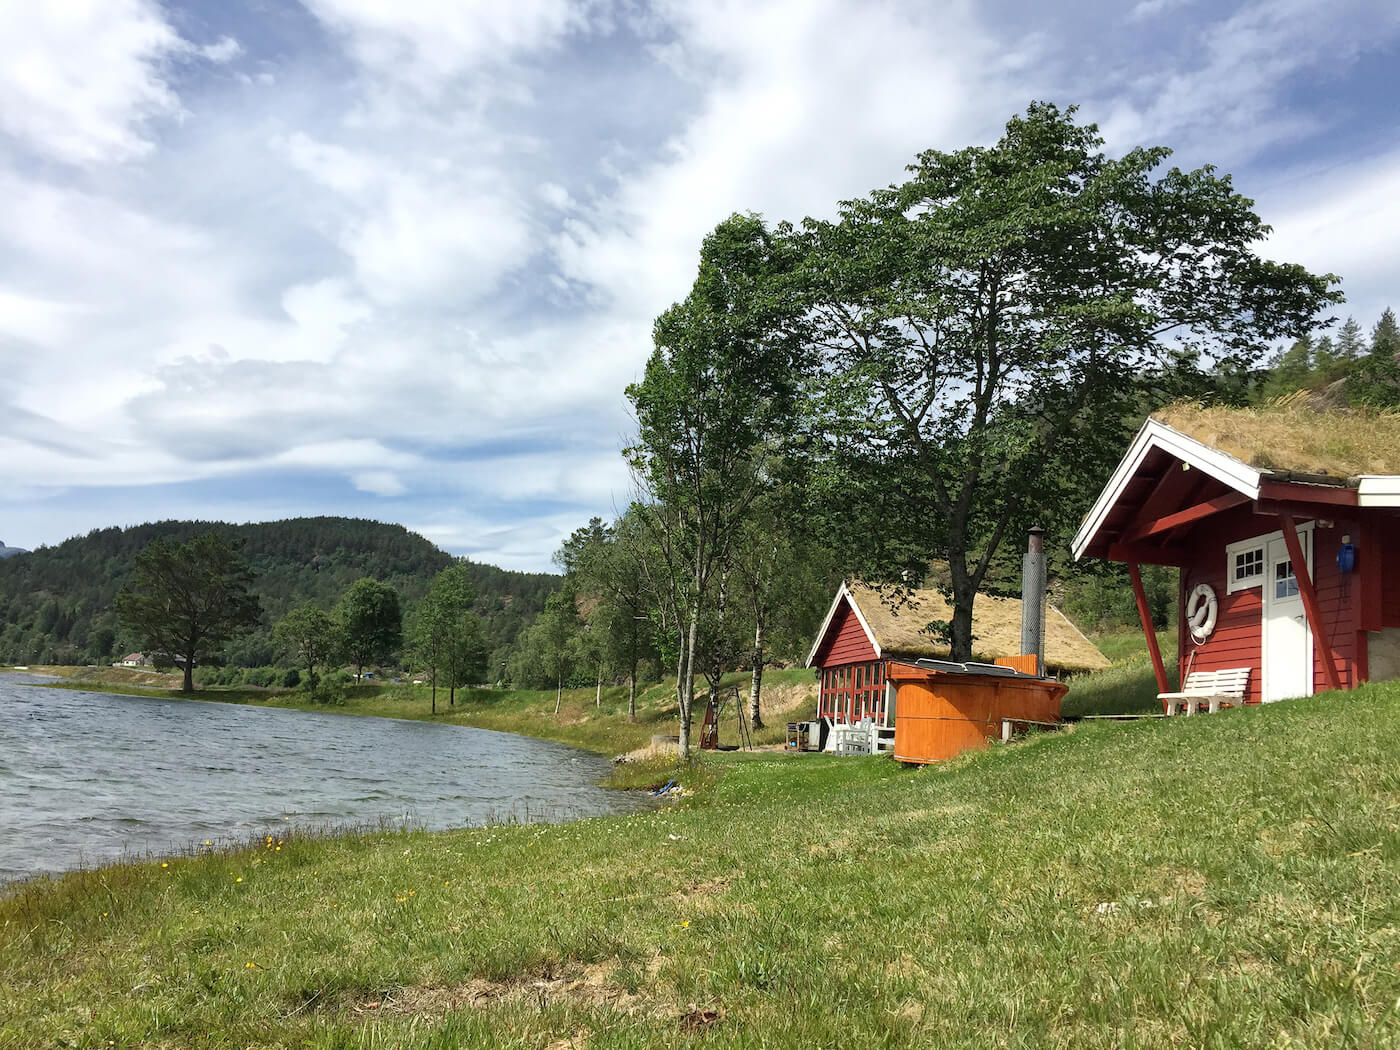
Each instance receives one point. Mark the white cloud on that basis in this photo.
(1343, 221)
(805, 103)
(430, 41)
(1221, 97)
(223, 50)
(80, 81)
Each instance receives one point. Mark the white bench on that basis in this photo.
(1206, 690)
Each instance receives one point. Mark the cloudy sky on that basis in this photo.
(399, 258)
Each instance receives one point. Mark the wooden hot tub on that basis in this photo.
(943, 709)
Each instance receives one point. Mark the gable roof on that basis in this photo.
(996, 628)
(1245, 448)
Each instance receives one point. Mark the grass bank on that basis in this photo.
(1231, 880)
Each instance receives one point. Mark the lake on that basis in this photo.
(87, 778)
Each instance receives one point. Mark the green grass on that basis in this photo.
(1225, 881)
(1129, 686)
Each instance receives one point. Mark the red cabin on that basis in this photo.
(862, 635)
(1286, 536)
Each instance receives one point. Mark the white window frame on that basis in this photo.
(1260, 543)
(1234, 550)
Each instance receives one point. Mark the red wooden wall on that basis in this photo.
(845, 641)
(1238, 636)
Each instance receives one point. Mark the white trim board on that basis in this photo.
(1223, 467)
(843, 593)
(1378, 490)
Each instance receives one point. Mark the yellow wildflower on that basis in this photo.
(239, 879)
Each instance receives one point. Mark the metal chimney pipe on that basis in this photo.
(1034, 584)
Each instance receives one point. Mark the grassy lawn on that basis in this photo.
(1224, 881)
(1129, 686)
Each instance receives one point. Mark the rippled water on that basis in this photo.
(91, 777)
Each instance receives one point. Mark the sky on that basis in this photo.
(399, 260)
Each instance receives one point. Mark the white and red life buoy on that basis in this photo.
(1201, 611)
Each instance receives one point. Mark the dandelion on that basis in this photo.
(685, 924)
(250, 965)
(165, 864)
(239, 879)
(279, 849)
(208, 843)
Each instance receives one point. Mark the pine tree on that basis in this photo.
(1350, 345)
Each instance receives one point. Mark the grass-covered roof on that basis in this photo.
(996, 629)
(1296, 434)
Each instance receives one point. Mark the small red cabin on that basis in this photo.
(1290, 561)
(862, 635)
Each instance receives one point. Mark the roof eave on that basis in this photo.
(1154, 434)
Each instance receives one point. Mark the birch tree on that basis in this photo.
(716, 397)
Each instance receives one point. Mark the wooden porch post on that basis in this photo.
(1309, 596)
(1146, 617)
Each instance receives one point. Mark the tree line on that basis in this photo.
(57, 603)
(187, 600)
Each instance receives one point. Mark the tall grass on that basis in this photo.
(1213, 882)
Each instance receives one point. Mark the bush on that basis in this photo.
(291, 679)
(260, 676)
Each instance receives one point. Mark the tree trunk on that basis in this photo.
(756, 681)
(960, 629)
(434, 690)
(559, 696)
(598, 700)
(685, 684)
(632, 695)
(188, 685)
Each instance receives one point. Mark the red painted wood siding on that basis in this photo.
(1386, 528)
(1238, 637)
(846, 641)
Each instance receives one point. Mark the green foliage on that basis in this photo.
(983, 329)
(184, 601)
(311, 636)
(294, 561)
(370, 623)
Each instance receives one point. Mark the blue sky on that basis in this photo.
(399, 259)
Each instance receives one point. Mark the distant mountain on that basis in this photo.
(56, 602)
(7, 552)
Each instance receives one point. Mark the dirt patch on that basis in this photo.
(594, 985)
(1179, 882)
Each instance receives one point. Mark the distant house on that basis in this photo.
(135, 660)
(862, 636)
(1285, 524)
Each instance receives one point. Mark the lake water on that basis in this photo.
(92, 777)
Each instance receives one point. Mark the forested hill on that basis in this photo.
(56, 603)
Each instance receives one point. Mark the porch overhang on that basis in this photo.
(1169, 482)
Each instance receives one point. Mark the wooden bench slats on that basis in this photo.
(1213, 686)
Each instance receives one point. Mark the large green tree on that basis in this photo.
(982, 327)
(186, 600)
(371, 623)
(310, 636)
(716, 398)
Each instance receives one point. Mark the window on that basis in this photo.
(1285, 583)
(854, 691)
(1244, 565)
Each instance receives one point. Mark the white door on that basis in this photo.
(1288, 643)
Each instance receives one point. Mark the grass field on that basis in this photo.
(1223, 881)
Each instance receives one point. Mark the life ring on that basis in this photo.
(1201, 611)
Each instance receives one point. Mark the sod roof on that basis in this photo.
(996, 629)
(1295, 435)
